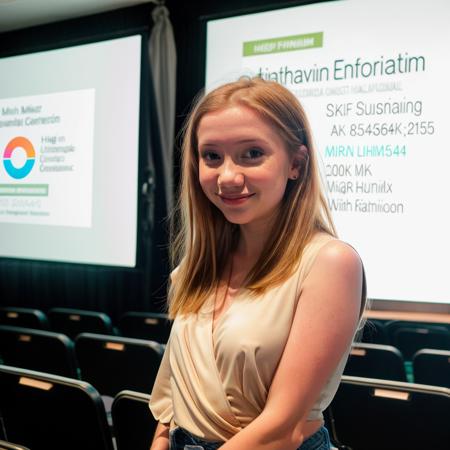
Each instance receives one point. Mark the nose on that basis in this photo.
(230, 176)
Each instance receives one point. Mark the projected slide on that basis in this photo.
(375, 90)
(46, 177)
(69, 151)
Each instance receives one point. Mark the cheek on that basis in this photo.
(275, 176)
(207, 179)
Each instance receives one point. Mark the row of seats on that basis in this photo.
(379, 361)
(71, 322)
(110, 363)
(366, 414)
(134, 362)
(46, 412)
(370, 414)
(408, 337)
(382, 361)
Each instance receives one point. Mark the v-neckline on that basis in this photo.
(224, 297)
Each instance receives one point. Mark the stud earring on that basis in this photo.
(294, 177)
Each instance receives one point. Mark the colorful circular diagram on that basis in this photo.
(19, 172)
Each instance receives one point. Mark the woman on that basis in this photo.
(266, 300)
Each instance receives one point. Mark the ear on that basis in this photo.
(298, 162)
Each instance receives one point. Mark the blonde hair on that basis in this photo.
(204, 239)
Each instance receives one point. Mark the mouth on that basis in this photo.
(235, 199)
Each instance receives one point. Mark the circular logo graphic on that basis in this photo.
(13, 144)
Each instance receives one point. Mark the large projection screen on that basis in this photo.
(373, 78)
(69, 137)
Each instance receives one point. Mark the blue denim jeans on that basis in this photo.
(181, 439)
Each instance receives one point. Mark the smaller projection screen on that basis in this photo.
(69, 129)
(373, 78)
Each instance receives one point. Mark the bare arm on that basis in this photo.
(323, 327)
(161, 437)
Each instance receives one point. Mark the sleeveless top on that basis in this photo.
(213, 383)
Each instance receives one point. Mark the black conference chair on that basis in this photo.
(329, 424)
(374, 414)
(410, 340)
(374, 332)
(425, 332)
(393, 325)
(145, 325)
(10, 446)
(39, 350)
(112, 363)
(48, 412)
(376, 361)
(72, 322)
(133, 423)
(432, 367)
(23, 317)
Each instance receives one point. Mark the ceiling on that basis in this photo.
(17, 14)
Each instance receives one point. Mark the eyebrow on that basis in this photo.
(240, 141)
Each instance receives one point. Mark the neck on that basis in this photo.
(252, 239)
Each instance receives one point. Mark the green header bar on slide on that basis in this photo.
(283, 44)
(24, 190)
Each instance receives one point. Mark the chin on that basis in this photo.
(236, 219)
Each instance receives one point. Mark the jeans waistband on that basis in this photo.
(181, 439)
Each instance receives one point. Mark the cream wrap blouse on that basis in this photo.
(214, 383)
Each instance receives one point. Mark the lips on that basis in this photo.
(235, 199)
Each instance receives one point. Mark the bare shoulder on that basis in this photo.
(339, 265)
(339, 255)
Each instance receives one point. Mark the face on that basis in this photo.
(243, 164)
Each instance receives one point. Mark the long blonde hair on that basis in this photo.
(204, 239)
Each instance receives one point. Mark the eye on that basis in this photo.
(210, 156)
(253, 153)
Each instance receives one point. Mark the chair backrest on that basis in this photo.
(48, 412)
(23, 317)
(374, 414)
(432, 367)
(112, 363)
(374, 332)
(376, 361)
(72, 322)
(393, 326)
(133, 423)
(410, 340)
(10, 446)
(39, 350)
(145, 325)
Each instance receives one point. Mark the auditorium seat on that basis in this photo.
(329, 424)
(432, 367)
(374, 332)
(23, 317)
(372, 414)
(49, 412)
(145, 325)
(376, 361)
(409, 340)
(72, 322)
(39, 350)
(113, 363)
(10, 446)
(133, 422)
(426, 331)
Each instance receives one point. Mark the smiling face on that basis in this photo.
(244, 165)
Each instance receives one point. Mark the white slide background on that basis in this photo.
(90, 213)
(387, 172)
